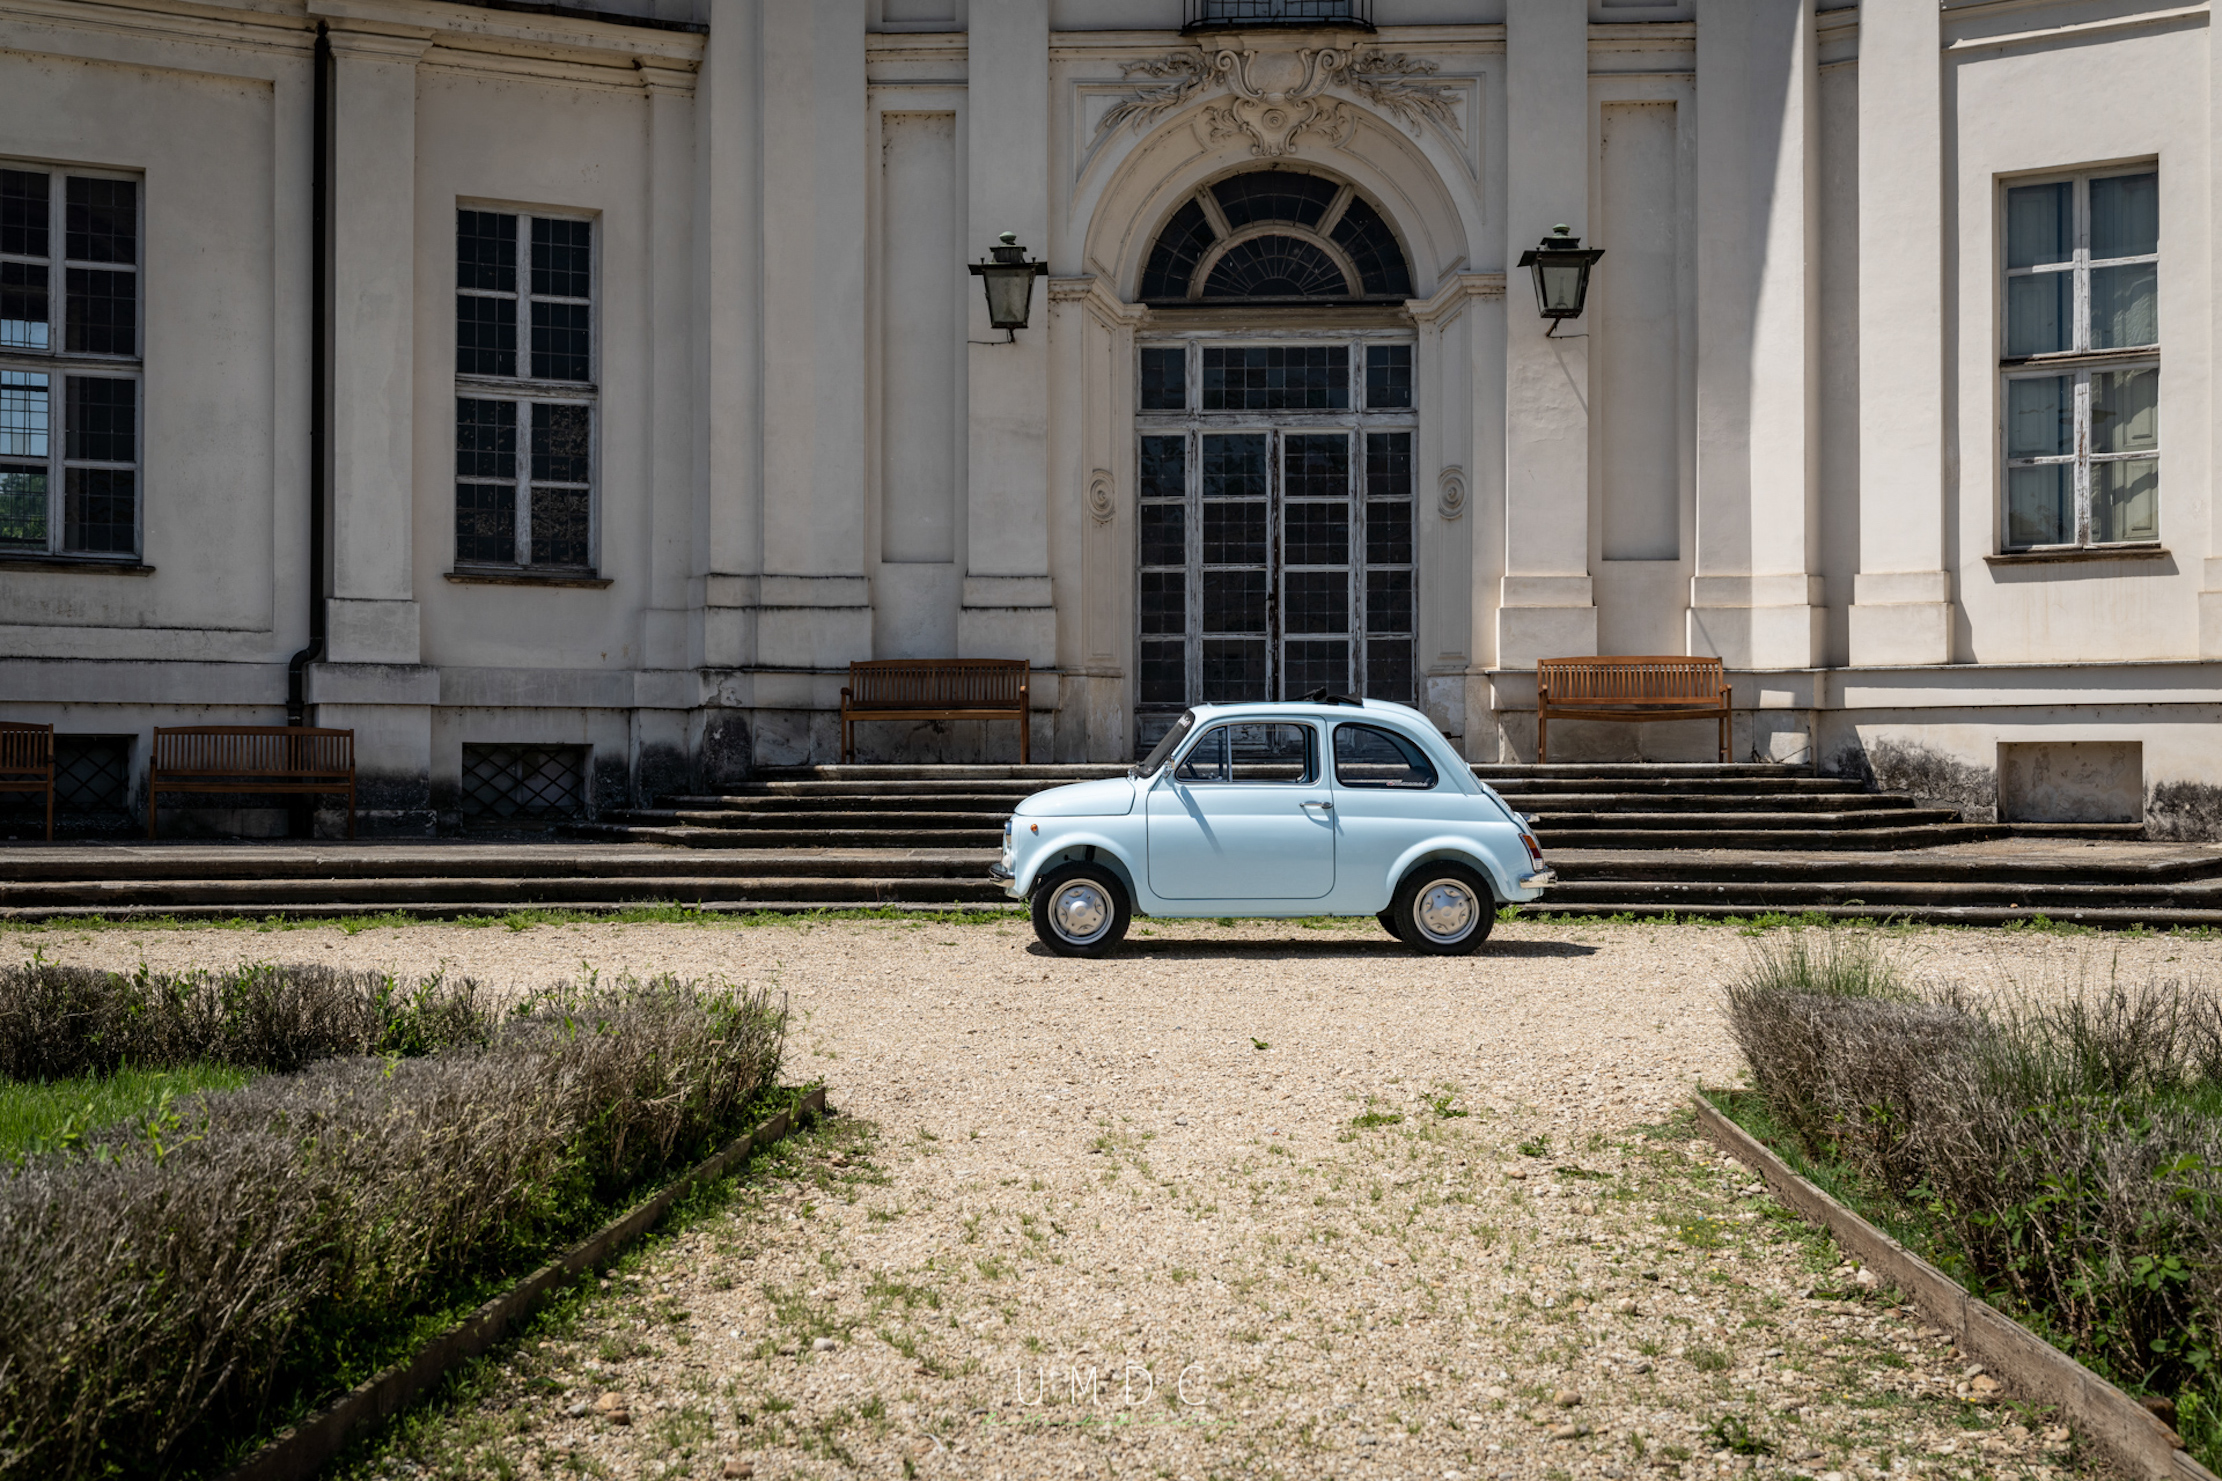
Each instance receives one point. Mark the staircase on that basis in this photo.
(1706, 840)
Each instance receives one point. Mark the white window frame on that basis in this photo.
(525, 392)
(2079, 360)
(59, 365)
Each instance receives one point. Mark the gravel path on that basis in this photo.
(1244, 1201)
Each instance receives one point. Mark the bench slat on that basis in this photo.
(935, 689)
(251, 758)
(27, 762)
(1630, 688)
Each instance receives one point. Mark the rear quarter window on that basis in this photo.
(1370, 756)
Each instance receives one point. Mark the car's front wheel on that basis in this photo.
(1081, 910)
(1443, 909)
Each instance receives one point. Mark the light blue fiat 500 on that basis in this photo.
(1333, 808)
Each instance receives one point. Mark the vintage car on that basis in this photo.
(1334, 807)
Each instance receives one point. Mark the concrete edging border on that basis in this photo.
(2128, 1432)
(301, 1451)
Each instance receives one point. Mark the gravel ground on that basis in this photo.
(1254, 1200)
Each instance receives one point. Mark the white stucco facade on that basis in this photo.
(1779, 434)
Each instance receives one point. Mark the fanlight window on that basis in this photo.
(1275, 236)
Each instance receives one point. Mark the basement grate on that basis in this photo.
(523, 783)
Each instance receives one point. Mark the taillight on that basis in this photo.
(1535, 852)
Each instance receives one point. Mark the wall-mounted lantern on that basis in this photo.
(1561, 265)
(1009, 281)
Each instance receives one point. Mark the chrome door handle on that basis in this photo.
(1329, 806)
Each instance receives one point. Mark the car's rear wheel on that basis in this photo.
(1443, 909)
(1081, 910)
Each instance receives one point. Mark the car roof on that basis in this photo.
(1380, 707)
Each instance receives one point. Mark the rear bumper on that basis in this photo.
(1542, 879)
(999, 873)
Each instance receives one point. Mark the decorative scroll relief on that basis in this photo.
(1278, 95)
(1450, 492)
(1102, 503)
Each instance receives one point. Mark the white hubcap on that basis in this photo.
(1081, 912)
(1446, 910)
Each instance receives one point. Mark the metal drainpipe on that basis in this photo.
(320, 190)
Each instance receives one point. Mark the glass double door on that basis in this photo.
(1275, 562)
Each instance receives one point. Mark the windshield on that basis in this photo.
(1149, 764)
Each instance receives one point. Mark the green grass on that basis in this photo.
(54, 1113)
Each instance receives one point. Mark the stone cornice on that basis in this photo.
(1094, 293)
(1452, 295)
(463, 33)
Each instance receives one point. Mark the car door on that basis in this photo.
(1388, 795)
(1245, 814)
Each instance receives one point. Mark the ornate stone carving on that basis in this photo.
(1102, 502)
(1450, 492)
(1278, 96)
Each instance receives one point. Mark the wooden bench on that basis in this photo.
(27, 763)
(935, 689)
(251, 758)
(1628, 689)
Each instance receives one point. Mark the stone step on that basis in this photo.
(250, 896)
(1554, 804)
(1053, 776)
(1639, 868)
(123, 867)
(1881, 894)
(1701, 824)
(2155, 917)
(1661, 771)
(1730, 836)
(450, 910)
(876, 820)
(694, 836)
(913, 797)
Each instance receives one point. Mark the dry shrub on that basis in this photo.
(58, 1022)
(184, 1283)
(2068, 1142)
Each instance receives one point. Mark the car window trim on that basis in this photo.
(1319, 741)
(1334, 769)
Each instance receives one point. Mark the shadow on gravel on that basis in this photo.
(1281, 950)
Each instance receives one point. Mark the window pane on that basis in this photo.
(2125, 306)
(1234, 669)
(562, 258)
(2125, 410)
(1206, 760)
(1368, 756)
(1276, 378)
(22, 507)
(559, 341)
(103, 312)
(1389, 669)
(486, 523)
(1165, 380)
(1164, 467)
(486, 440)
(2040, 506)
(1317, 602)
(2040, 312)
(1388, 465)
(103, 220)
(1164, 534)
(102, 427)
(1276, 267)
(2040, 415)
(1234, 467)
(1164, 673)
(486, 251)
(1316, 467)
(1271, 754)
(1388, 601)
(2125, 216)
(560, 444)
(24, 207)
(1234, 532)
(559, 527)
(1309, 666)
(25, 414)
(23, 306)
(485, 335)
(1164, 599)
(2125, 500)
(2039, 227)
(1388, 376)
(99, 510)
(1389, 532)
(1318, 535)
(1234, 602)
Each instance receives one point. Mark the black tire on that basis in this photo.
(1443, 909)
(1388, 923)
(1081, 910)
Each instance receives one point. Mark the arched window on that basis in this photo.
(1275, 236)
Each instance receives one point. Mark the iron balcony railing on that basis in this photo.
(1206, 15)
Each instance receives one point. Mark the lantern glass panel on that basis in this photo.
(1010, 295)
(1559, 286)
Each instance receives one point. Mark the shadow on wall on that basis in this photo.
(1928, 775)
(2184, 812)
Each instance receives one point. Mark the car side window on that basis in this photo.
(1368, 756)
(1268, 752)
